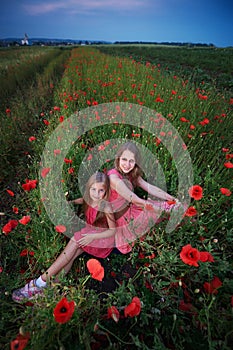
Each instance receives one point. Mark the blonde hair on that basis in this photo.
(136, 171)
(98, 177)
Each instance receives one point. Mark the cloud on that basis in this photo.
(87, 7)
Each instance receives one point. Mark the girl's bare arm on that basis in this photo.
(154, 190)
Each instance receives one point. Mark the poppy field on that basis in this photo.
(174, 290)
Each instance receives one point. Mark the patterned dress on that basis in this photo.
(135, 221)
(100, 248)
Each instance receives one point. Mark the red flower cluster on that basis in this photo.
(131, 310)
(191, 256)
(212, 287)
(29, 185)
(64, 310)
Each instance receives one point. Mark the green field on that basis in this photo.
(183, 306)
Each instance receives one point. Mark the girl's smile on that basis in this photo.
(97, 192)
(127, 161)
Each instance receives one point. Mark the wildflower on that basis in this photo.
(9, 226)
(56, 152)
(96, 269)
(159, 99)
(64, 310)
(134, 308)
(8, 111)
(191, 211)
(228, 165)
(184, 120)
(11, 193)
(32, 138)
(206, 256)
(29, 185)
(205, 121)
(25, 220)
(61, 119)
(225, 191)
(60, 228)
(195, 192)
(190, 255)
(25, 252)
(68, 161)
(20, 342)
(212, 287)
(46, 122)
(45, 171)
(187, 307)
(113, 313)
(15, 210)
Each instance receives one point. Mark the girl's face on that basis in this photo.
(127, 161)
(97, 192)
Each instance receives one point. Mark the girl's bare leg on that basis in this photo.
(64, 260)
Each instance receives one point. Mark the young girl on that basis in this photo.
(134, 215)
(96, 238)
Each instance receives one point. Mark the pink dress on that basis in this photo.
(135, 221)
(100, 248)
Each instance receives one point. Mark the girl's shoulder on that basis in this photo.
(114, 172)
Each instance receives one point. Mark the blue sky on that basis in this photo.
(197, 21)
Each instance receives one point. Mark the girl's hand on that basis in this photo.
(86, 239)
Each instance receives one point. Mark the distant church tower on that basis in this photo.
(25, 40)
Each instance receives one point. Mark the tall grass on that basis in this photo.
(177, 311)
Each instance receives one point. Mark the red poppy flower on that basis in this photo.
(56, 152)
(8, 111)
(212, 287)
(20, 342)
(187, 307)
(9, 226)
(29, 185)
(206, 257)
(134, 308)
(225, 191)
(25, 252)
(196, 192)
(171, 202)
(113, 313)
(184, 120)
(190, 255)
(25, 220)
(11, 193)
(15, 210)
(228, 165)
(68, 161)
(32, 138)
(60, 228)
(46, 122)
(45, 171)
(96, 269)
(64, 310)
(191, 211)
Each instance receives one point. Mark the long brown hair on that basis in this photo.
(98, 177)
(136, 171)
